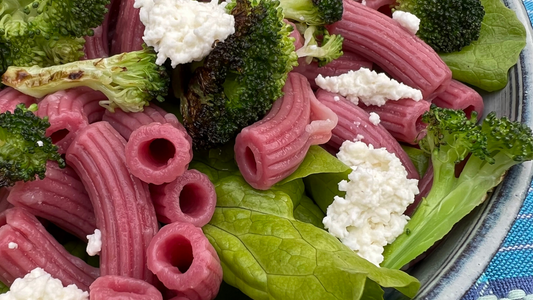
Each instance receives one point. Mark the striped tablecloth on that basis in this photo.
(509, 275)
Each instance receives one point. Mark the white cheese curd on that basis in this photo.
(374, 118)
(94, 244)
(12, 245)
(407, 20)
(184, 30)
(370, 216)
(368, 86)
(39, 285)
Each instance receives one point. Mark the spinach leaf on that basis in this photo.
(485, 62)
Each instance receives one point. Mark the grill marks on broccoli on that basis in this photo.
(24, 148)
(241, 77)
(446, 25)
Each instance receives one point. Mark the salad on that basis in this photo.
(256, 149)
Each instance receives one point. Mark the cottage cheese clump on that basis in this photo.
(370, 87)
(184, 30)
(370, 216)
(39, 285)
(407, 20)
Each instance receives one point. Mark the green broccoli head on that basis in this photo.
(330, 47)
(446, 25)
(130, 80)
(242, 77)
(312, 12)
(24, 148)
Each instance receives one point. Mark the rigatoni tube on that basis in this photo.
(10, 98)
(271, 149)
(124, 212)
(114, 287)
(460, 96)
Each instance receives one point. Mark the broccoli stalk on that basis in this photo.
(237, 83)
(330, 48)
(446, 25)
(490, 149)
(24, 148)
(313, 12)
(129, 80)
(45, 32)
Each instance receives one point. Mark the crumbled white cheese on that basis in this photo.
(12, 245)
(336, 98)
(370, 87)
(184, 30)
(359, 137)
(94, 245)
(407, 20)
(39, 285)
(374, 118)
(40, 143)
(377, 193)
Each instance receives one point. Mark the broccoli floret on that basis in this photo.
(46, 32)
(446, 25)
(242, 77)
(330, 47)
(313, 12)
(130, 80)
(490, 149)
(24, 148)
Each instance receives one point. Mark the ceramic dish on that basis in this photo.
(458, 261)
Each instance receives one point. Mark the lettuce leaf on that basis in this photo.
(268, 254)
(3, 288)
(307, 211)
(486, 62)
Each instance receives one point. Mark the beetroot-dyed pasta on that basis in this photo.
(399, 53)
(377, 4)
(354, 124)
(25, 245)
(60, 198)
(158, 149)
(129, 29)
(424, 186)
(185, 262)
(460, 96)
(113, 287)
(402, 118)
(10, 98)
(271, 149)
(298, 38)
(190, 198)
(124, 212)
(96, 46)
(4, 204)
(347, 62)
(68, 111)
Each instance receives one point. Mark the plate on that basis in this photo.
(456, 264)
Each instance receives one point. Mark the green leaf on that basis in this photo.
(307, 211)
(3, 288)
(317, 161)
(486, 62)
(419, 158)
(322, 188)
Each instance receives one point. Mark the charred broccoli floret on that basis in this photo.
(130, 80)
(330, 47)
(446, 25)
(24, 148)
(242, 77)
(46, 32)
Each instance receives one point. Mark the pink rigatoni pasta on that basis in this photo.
(402, 118)
(68, 111)
(97, 45)
(25, 245)
(158, 149)
(347, 62)
(399, 53)
(185, 262)
(129, 29)
(124, 212)
(271, 149)
(10, 98)
(190, 198)
(354, 123)
(376, 4)
(60, 198)
(460, 96)
(4, 204)
(113, 287)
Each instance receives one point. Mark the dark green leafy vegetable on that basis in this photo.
(268, 254)
(486, 62)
